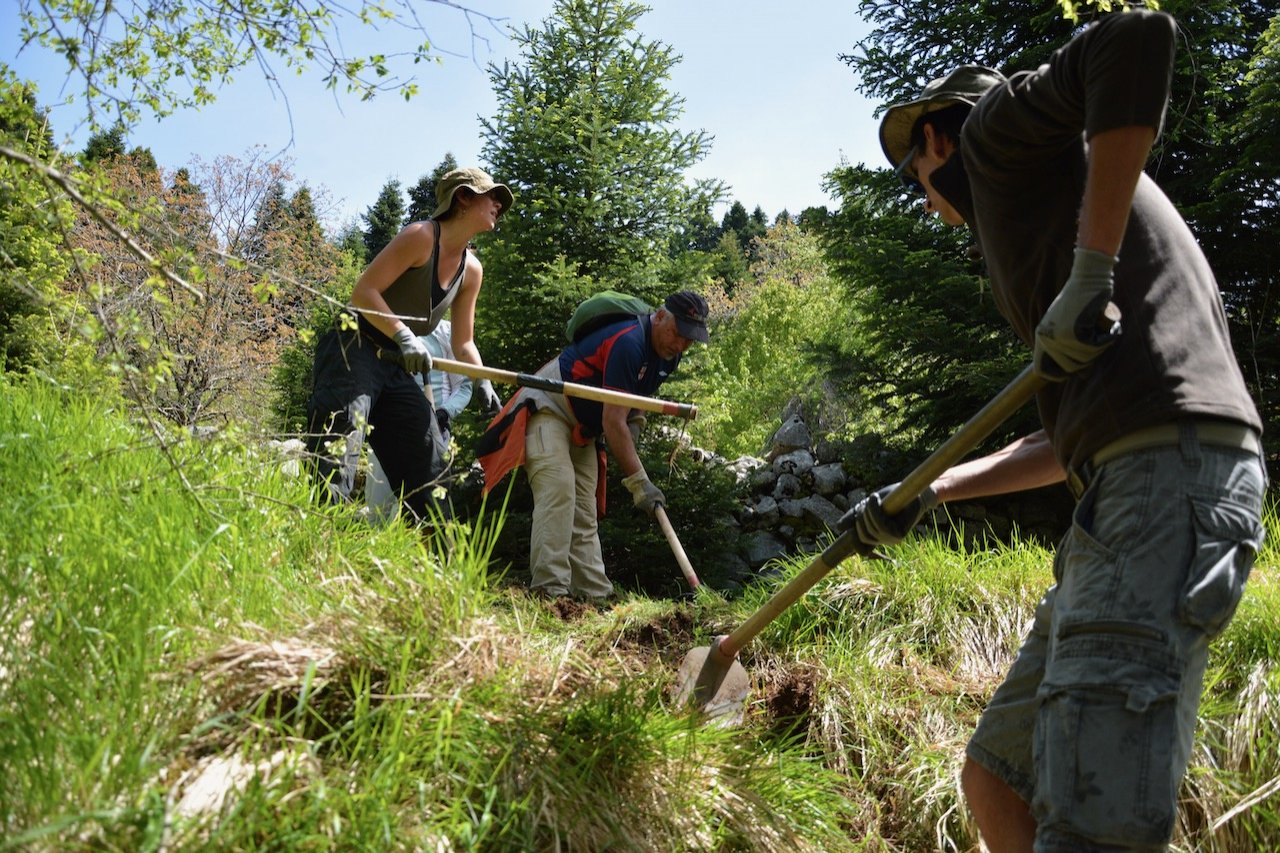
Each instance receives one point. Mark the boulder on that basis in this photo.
(762, 546)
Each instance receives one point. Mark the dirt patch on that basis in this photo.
(569, 609)
(667, 637)
(787, 697)
(663, 632)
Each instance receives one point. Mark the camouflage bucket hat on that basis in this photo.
(476, 180)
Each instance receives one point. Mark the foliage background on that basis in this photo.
(150, 578)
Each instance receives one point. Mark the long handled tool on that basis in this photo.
(713, 679)
(555, 386)
(682, 559)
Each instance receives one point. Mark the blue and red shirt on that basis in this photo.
(617, 357)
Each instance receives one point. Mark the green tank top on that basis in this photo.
(417, 297)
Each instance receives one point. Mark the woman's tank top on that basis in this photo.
(417, 297)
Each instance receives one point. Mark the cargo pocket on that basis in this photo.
(1103, 738)
(1228, 536)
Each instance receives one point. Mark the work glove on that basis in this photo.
(635, 423)
(644, 494)
(1069, 337)
(489, 401)
(416, 357)
(873, 527)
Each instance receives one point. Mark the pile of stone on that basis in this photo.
(794, 496)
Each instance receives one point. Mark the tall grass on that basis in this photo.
(194, 656)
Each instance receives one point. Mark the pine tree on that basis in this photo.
(383, 219)
(422, 195)
(585, 136)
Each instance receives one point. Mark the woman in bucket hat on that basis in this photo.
(424, 273)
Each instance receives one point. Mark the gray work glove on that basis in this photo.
(1068, 337)
(874, 528)
(417, 359)
(489, 400)
(635, 423)
(644, 494)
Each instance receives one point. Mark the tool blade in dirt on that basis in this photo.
(715, 682)
(713, 679)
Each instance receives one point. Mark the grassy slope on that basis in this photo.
(216, 664)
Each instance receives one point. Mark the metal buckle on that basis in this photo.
(1079, 478)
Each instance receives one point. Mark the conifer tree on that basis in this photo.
(383, 218)
(422, 195)
(585, 135)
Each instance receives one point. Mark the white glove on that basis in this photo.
(417, 359)
(1068, 337)
(644, 494)
(490, 403)
(635, 423)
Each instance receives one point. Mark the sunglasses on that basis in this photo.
(907, 174)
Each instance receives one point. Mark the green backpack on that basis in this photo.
(601, 309)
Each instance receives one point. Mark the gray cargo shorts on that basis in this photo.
(1093, 724)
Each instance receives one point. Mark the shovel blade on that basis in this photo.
(715, 683)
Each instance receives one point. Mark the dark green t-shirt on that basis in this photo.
(1020, 186)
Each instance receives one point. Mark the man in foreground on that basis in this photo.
(1085, 743)
(557, 439)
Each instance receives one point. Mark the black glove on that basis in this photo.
(489, 401)
(416, 357)
(873, 527)
(442, 420)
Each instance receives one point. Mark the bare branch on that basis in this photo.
(68, 186)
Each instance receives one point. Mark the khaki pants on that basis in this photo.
(564, 544)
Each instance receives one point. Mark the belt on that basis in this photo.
(1216, 433)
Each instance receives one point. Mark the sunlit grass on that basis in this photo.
(220, 664)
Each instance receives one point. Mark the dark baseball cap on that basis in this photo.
(690, 312)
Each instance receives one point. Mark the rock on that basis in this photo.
(766, 511)
(828, 479)
(792, 435)
(762, 479)
(798, 462)
(728, 565)
(818, 509)
(744, 467)
(788, 486)
(791, 509)
(761, 547)
(793, 409)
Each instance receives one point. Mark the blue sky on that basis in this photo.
(763, 78)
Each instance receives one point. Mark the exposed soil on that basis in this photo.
(788, 697)
(673, 630)
(570, 610)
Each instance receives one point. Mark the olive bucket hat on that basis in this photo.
(477, 180)
(965, 85)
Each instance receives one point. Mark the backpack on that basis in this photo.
(601, 309)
